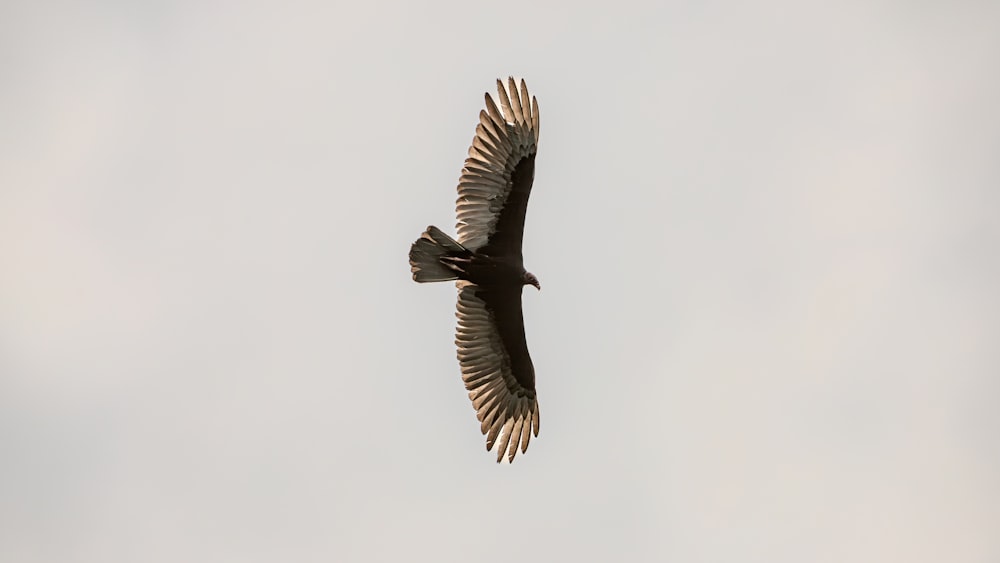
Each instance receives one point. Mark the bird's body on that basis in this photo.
(487, 271)
(487, 264)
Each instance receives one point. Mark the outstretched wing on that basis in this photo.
(496, 367)
(496, 180)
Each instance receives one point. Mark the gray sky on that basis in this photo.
(766, 236)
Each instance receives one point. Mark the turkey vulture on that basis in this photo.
(487, 264)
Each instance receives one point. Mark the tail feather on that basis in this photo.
(426, 254)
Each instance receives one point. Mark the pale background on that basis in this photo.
(766, 235)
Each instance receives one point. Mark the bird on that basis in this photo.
(487, 266)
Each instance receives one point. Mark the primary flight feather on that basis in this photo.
(488, 267)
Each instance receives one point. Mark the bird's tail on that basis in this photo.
(426, 254)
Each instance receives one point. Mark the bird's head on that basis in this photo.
(529, 279)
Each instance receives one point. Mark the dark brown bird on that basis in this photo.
(486, 261)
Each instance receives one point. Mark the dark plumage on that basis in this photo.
(487, 263)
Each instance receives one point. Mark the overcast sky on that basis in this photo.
(766, 235)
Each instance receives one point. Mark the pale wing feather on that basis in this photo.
(503, 138)
(505, 409)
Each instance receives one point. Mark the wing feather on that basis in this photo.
(505, 103)
(515, 432)
(534, 118)
(496, 116)
(526, 101)
(507, 431)
(515, 103)
(527, 429)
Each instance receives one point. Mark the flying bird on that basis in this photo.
(488, 267)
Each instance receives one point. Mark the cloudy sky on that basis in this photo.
(766, 236)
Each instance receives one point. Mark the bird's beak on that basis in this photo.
(537, 285)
